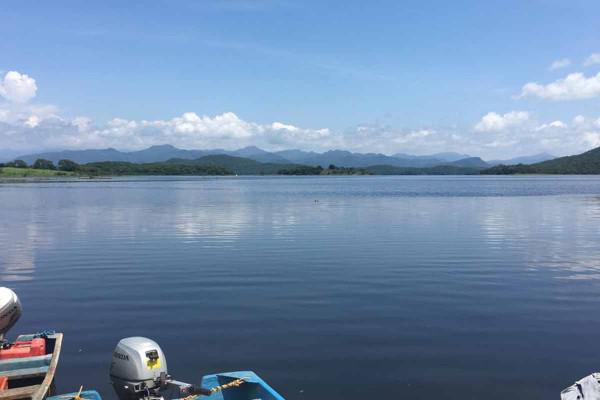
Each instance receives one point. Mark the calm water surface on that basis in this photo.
(330, 288)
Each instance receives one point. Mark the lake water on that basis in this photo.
(328, 287)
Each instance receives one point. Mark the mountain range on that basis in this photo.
(340, 158)
(584, 163)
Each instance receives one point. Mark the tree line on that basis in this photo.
(41, 163)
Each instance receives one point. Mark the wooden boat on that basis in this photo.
(32, 378)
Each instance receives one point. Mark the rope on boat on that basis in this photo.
(231, 384)
(77, 396)
(220, 388)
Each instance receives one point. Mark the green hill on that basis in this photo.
(237, 165)
(437, 170)
(584, 164)
(246, 166)
(159, 168)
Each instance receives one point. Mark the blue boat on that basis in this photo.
(253, 387)
(139, 372)
(81, 395)
(238, 385)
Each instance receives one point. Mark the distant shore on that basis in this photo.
(12, 172)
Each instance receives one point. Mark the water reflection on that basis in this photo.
(445, 282)
(18, 245)
(556, 233)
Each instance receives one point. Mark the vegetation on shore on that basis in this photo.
(120, 168)
(13, 172)
(437, 170)
(318, 170)
(208, 165)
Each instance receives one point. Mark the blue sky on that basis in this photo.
(387, 76)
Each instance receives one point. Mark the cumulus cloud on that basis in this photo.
(592, 138)
(592, 59)
(41, 126)
(226, 125)
(578, 120)
(278, 125)
(506, 135)
(560, 63)
(552, 125)
(30, 127)
(24, 114)
(17, 87)
(494, 122)
(532, 136)
(573, 87)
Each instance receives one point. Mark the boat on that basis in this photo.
(31, 378)
(27, 365)
(250, 386)
(80, 395)
(238, 385)
(139, 372)
(587, 388)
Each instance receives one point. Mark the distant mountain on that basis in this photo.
(161, 153)
(361, 160)
(469, 162)
(295, 155)
(8, 154)
(151, 154)
(449, 156)
(79, 156)
(349, 159)
(238, 165)
(585, 163)
(256, 154)
(536, 158)
(433, 158)
(436, 170)
(339, 158)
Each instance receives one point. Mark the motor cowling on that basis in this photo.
(10, 310)
(138, 367)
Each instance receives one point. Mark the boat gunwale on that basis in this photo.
(38, 391)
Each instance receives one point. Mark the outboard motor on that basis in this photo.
(139, 372)
(10, 310)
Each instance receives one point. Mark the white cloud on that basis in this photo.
(578, 120)
(278, 125)
(592, 138)
(494, 122)
(226, 125)
(592, 59)
(413, 136)
(511, 134)
(82, 123)
(560, 63)
(31, 127)
(552, 125)
(32, 121)
(17, 87)
(24, 114)
(573, 87)
(40, 127)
